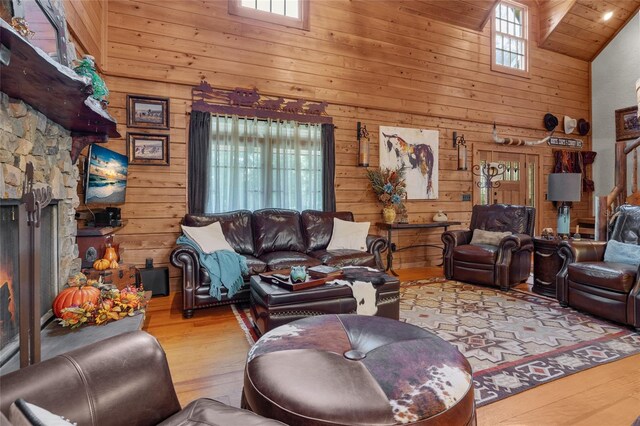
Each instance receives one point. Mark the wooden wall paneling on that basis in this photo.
(413, 73)
(87, 24)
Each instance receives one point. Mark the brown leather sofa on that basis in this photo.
(607, 289)
(502, 266)
(123, 380)
(269, 239)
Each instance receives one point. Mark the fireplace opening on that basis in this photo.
(10, 272)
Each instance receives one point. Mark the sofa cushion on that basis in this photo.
(349, 235)
(317, 227)
(491, 238)
(344, 257)
(608, 275)
(286, 259)
(277, 230)
(255, 266)
(236, 227)
(209, 238)
(476, 253)
(618, 252)
(209, 412)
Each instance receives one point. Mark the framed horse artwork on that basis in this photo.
(417, 151)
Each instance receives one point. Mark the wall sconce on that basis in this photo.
(363, 145)
(461, 144)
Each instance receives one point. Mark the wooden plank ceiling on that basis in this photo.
(572, 27)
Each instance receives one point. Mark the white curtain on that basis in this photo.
(257, 164)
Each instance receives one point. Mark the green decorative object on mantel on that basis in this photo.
(87, 68)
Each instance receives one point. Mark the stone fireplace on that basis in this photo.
(26, 135)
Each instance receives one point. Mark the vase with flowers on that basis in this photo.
(390, 188)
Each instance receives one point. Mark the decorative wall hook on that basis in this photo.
(488, 173)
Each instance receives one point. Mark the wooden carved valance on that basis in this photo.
(250, 103)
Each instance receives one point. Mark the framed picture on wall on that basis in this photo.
(148, 149)
(148, 112)
(627, 124)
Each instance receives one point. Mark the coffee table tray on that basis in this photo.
(288, 285)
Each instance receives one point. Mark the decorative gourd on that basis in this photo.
(113, 264)
(77, 280)
(101, 264)
(110, 253)
(74, 296)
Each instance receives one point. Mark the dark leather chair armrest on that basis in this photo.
(575, 251)
(186, 258)
(451, 240)
(633, 304)
(517, 242)
(94, 384)
(377, 245)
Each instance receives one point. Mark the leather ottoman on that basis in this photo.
(357, 370)
(272, 306)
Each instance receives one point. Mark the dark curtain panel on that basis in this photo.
(328, 168)
(199, 145)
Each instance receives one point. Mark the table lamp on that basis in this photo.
(564, 187)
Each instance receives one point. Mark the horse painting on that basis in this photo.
(418, 159)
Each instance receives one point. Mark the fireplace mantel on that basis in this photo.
(54, 90)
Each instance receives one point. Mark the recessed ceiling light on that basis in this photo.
(607, 16)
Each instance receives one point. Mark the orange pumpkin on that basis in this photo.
(74, 296)
(101, 264)
(113, 264)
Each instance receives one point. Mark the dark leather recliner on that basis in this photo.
(122, 380)
(502, 266)
(606, 289)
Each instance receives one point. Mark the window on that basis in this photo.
(291, 13)
(509, 39)
(256, 164)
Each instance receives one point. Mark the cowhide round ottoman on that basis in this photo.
(357, 370)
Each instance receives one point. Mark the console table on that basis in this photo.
(391, 227)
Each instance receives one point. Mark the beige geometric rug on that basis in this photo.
(516, 340)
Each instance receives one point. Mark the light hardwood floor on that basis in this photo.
(207, 353)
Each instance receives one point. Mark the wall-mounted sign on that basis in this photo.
(571, 143)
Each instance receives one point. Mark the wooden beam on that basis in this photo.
(551, 14)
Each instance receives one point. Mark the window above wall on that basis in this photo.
(510, 39)
(290, 13)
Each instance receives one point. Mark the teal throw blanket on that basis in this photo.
(225, 268)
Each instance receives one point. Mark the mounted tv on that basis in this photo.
(106, 179)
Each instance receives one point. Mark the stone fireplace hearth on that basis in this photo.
(26, 135)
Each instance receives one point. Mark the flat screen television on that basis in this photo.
(106, 176)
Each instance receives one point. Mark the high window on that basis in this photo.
(509, 39)
(291, 13)
(256, 164)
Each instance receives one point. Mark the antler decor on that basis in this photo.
(248, 102)
(516, 141)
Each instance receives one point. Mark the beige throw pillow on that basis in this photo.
(349, 235)
(209, 238)
(490, 238)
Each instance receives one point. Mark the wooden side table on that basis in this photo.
(546, 264)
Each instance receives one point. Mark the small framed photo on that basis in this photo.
(627, 123)
(148, 112)
(148, 149)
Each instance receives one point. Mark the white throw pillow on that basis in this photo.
(209, 238)
(491, 238)
(349, 235)
(22, 413)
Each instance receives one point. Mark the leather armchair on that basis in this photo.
(607, 289)
(501, 266)
(123, 380)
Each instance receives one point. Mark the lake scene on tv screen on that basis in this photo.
(107, 176)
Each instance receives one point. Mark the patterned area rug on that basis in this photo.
(516, 340)
(513, 341)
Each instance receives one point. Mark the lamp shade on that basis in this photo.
(564, 187)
